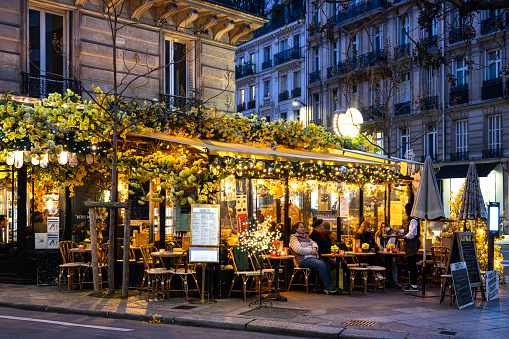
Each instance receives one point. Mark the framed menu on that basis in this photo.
(205, 227)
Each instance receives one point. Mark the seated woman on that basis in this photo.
(306, 254)
(383, 239)
(366, 237)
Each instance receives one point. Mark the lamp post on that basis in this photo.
(297, 102)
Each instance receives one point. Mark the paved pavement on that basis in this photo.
(395, 314)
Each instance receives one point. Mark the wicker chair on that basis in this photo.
(102, 264)
(70, 267)
(439, 254)
(305, 272)
(242, 269)
(156, 277)
(183, 271)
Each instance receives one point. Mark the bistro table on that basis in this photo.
(80, 251)
(337, 256)
(276, 259)
(166, 255)
(361, 254)
(391, 255)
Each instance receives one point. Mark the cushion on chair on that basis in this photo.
(182, 271)
(70, 264)
(154, 271)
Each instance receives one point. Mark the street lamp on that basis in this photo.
(349, 123)
(296, 102)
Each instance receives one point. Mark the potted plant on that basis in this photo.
(391, 247)
(334, 249)
(365, 247)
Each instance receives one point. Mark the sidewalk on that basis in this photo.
(395, 314)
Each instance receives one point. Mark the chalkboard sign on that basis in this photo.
(463, 249)
(461, 282)
(182, 217)
(139, 212)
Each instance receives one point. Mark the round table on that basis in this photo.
(392, 254)
(166, 255)
(276, 259)
(80, 250)
(336, 256)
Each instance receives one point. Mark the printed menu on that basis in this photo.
(205, 225)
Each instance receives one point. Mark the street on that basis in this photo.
(504, 249)
(29, 324)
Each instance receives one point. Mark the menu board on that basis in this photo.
(205, 228)
(461, 284)
(203, 254)
(139, 212)
(492, 288)
(182, 217)
(463, 249)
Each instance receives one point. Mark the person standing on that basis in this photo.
(411, 246)
(3, 228)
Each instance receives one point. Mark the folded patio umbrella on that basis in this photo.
(428, 205)
(472, 202)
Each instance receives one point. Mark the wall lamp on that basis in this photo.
(296, 102)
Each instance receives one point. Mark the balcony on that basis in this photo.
(429, 103)
(279, 22)
(360, 61)
(458, 95)
(356, 10)
(459, 156)
(402, 51)
(251, 104)
(314, 76)
(370, 112)
(492, 89)
(434, 158)
(283, 96)
(492, 153)
(317, 122)
(254, 7)
(40, 86)
(266, 64)
(285, 56)
(248, 68)
(175, 101)
(430, 42)
(402, 108)
(457, 34)
(296, 92)
(491, 25)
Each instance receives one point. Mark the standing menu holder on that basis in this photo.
(205, 233)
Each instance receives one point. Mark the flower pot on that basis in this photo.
(365, 251)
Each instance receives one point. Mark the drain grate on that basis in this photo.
(184, 307)
(447, 332)
(360, 323)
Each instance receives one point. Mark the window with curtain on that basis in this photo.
(462, 136)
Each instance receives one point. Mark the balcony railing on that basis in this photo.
(433, 157)
(251, 104)
(492, 153)
(40, 86)
(430, 42)
(175, 101)
(459, 95)
(459, 156)
(284, 96)
(429, 103)
(279, 22)
(317, 122)
(266, 64)
(457, 34)
(492, 89)
(247, 68)
(356, 10)
(254, 7)
(402, 50)
(296, 92)
(370, 112)
(360, 61)
(314, 76)
(241, 107)
(491, 25)
(285, 56)
(402, 108)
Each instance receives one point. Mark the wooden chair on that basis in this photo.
(156, 277)
(69, 268)
(361, 274)
(183, 271)
(102, 264)
(269, 273)
(439, 255)
(305, 272)
(242, 269)
(446, 281)
(379, 276)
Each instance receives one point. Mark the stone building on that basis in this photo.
(48, 46)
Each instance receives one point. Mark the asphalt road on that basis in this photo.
(29, 324)
(504, 249)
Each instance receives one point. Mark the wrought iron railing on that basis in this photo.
(279, 22)
(317, 122)
(360, 61)
(370, 112)
(175, 101)
(266, 64)
(241, 107)
(492, 153)
(314, 76)
(285, 56)
(492, 89)
(402, 50)
(434, 158)
(296, 92)
(284, 96)
(430, 42)
(248, 68)
(458, 95)
(429, 103)
(402, 108)
(459, 156)
(251, 104)
(491, 25)
(359, 9)
(40, 86)
(254, 7)
(456, 35)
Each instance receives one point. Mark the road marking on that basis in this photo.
(67, 324)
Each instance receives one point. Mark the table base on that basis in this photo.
(202, 301)
(275, 296)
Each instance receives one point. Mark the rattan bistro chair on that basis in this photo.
(242, 269)
(183, 271)
(69, 269)
(155, 277)
(305, 272)
(102, 264)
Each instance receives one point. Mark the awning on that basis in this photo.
(283, 154)
(460, 171)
